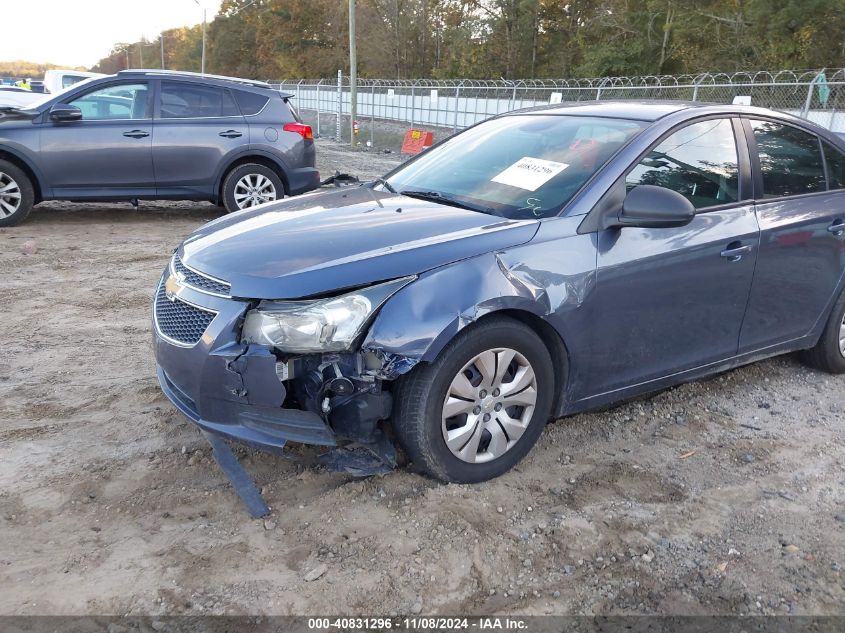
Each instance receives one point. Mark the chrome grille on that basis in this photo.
(200, 282)
(180, 322)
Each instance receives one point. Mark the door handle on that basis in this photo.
(735, 251)
(231, 134)
(837, 228)
(136, 134)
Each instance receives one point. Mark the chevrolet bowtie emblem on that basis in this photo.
(173, 285)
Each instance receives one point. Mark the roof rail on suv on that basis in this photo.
(182, 73)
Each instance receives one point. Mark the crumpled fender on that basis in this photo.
(550, 277)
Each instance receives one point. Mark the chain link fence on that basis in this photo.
(386, 108)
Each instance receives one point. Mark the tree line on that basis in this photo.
(22, 69)
(399, 39)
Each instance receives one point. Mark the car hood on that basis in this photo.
(320, 243)
(18, 99)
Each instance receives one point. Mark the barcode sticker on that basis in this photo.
(529, 173)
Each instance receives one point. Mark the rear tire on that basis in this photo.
(829, 353)
(493, 432)
(249, 185)
(17, 194)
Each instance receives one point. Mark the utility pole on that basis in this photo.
(203, 35)
(353, 74)
(126, 50)
(203, 41)
(141, 52)
(161, 41)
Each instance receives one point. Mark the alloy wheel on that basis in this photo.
(10, 195)
(489, 405)
(254, 189)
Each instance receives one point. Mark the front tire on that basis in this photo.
(17, 194)
(477, 410)
(829, 353)
(250, 185)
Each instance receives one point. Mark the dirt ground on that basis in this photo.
(719, 497)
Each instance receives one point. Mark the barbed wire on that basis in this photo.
(744, 78)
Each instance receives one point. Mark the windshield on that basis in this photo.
(522, 166)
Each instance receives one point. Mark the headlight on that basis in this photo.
(320, 325)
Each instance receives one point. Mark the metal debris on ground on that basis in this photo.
(340, 180)
(239, 478)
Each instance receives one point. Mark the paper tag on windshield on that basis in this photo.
(529, 173)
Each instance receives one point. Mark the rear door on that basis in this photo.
(672, 299)
(802, 220)
(109, 152)
(198, 128)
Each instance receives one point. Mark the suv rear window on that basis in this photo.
(184, 100)
(249, 102)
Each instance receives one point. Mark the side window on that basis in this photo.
(183, 100)
(835, 167)
(249, 102)
(699, 162)
(790, 159)
(123, 101)
(69, 80)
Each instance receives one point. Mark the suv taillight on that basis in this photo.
(300, 128)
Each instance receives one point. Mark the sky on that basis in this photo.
(81, 32)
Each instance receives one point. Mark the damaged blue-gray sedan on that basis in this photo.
(539, 264)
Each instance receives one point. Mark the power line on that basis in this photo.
(239, 9)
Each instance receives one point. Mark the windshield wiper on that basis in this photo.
(442, 198)
(385, 184)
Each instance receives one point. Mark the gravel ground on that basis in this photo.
(719, 497)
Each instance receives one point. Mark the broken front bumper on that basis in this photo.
(254, 424)
(229, 388)
(233, 391)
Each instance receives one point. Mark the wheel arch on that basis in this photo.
(553, 342)
(245, 159)
(22, 164)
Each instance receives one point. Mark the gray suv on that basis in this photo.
(155, 135)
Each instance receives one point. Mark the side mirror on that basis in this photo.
(62, 112)
(652, 207)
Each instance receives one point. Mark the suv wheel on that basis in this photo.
(829, 353)
(16, 194)
(478, 409)
(250, 185)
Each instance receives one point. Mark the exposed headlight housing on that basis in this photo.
(317, 325)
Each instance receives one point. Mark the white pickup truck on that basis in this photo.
(57, 80)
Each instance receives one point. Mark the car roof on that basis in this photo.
(638, 110)
(199, 77)
(654, 110)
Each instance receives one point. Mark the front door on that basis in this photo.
(668, 300)
(802, 219)
(108, 153)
